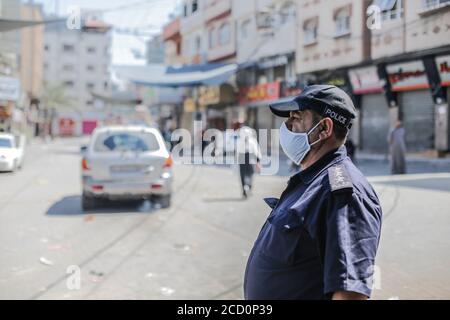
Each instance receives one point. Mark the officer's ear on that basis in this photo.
(327, 129)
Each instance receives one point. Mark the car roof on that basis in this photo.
(126, 129)
(7, 136)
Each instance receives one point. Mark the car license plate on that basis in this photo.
(126, 169)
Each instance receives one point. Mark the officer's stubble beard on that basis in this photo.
(317, 148)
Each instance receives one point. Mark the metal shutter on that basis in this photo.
(418, 118)
(374, 123)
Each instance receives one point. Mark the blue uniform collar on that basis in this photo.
(328, 160)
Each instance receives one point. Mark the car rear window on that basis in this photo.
(125, 141)
(5, 143)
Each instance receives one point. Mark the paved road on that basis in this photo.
(198, 248)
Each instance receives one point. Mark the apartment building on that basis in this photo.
(79, 59)
(391, 56)
(266, 42)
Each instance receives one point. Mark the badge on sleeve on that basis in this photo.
(339, 178)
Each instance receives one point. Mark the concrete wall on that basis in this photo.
(80, 59)
(329, 51)
(418, 29)
(32, 52)
(253, 44)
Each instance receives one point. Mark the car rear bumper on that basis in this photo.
(6, 165)
(117, 190)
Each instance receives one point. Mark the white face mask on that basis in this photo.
(296, 145)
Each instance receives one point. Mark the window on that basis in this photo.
(69, 84)
(224, 34)
(435, 4)
(90, 50)
(6, 143)
(311, 28)
(185, 10)
(120, 142)
(90, 86)
(212, 38)
(90, 68)
(288, 12)
(342, 20)
(47, 47)
(68, 48)
(198, 44)
(194, 6)
(390, 9)
(245, 29)
(68, 67)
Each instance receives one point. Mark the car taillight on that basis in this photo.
(169, 162)
(84, 164)
(97, 187)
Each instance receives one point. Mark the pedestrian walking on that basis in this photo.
(248, 157)
(397, 149)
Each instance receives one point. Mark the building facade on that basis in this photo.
(71, 60)
(391, 56)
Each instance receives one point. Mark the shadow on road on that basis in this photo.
(214, 200)
(435, 184)
(71, 206)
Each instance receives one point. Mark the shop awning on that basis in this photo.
(185, 76)
(122, 97)
(385, 5)
(9, 24)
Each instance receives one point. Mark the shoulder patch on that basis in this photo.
(339, 178)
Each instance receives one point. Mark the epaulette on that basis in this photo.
(339, 179)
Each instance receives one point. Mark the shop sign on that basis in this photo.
(268, 91)
(189, 105)
(9, 89)
(209, 96)
(443, 65)
(365, 80)
(66, 127)
(408, 76)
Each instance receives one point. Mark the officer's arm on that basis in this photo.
(346, 295)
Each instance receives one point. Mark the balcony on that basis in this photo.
(171, 30)
(215, 9)
(432, 6)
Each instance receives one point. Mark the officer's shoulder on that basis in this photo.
(340, 178)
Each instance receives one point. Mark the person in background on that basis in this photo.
(397, 148)
(248, 157)
(351, 149)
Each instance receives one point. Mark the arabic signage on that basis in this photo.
(443, 64)
(262, 92)
(408, 76)
(365, 80)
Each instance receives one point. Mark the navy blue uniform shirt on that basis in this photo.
(321, 237)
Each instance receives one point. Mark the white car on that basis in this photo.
(12, 149)
(125, 163)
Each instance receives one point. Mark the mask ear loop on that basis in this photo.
(311, 131)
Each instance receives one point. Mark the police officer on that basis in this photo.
(321, 239)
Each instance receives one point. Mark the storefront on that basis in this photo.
(372, 126)
(443, 114)
(9, 96)
(217, 100)
(256, 99)
(417, 109)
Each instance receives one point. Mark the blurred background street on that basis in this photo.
(93, 95)
(198, 248)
